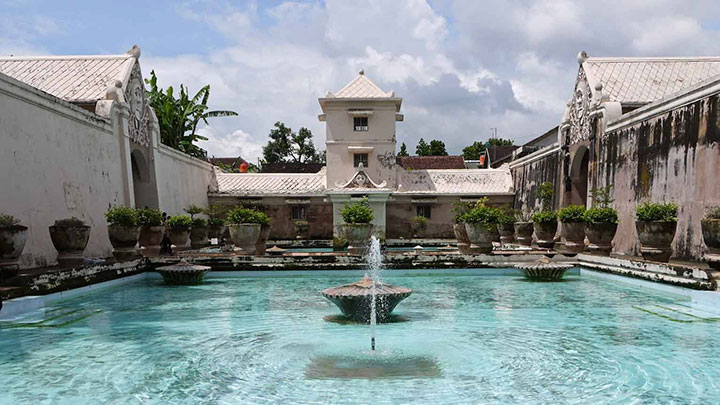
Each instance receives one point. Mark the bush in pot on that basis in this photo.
(199, 233)
(151, 231)
(245, 225)
(572, 229)
(216, 223)
(600, 227)
(264, 222)
(710, 225)
(12, 241)
(70, 237)
(656, 224)
(545, 221)
(506, 225)
(418, 225)
(463, 241)
(481, 226)
(523, 227)
(357, 227)
(178, 227)
(123, 231)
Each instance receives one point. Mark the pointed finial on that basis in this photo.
(134, 51)
(362, 72)
(582, 57)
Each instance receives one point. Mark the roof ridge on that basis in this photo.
(63, 57)
(623, 59)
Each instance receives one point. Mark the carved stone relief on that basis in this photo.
(579, 110)
(139, 108)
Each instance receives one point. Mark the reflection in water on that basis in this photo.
(346, 320)
(372, 367)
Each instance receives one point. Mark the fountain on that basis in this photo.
(368, 300)
(543, 270)
(183, 273)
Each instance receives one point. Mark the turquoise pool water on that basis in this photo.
(466, 338)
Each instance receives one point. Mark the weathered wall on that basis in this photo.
(532, 170)
(57, 161)
(673, 156)
(181, 180)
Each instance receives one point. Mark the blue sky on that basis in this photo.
(462, 66)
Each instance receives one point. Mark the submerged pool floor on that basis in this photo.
(466, 338)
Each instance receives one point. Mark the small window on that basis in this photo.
(360, 158)
(298, 213)
(424, 211)
(360, 123)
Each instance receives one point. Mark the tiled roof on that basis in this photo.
(644, 80)
(254, 184)
(228, 161)
(431, 162)
(463, 181)
(79, 79)
(291, 167)
(362, 87)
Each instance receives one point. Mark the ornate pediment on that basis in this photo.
(579, 114)
(139, 108)
(360, 180)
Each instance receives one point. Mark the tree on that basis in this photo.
(500, 142)
(179, 118)
(437, 148)
(422, 149)
(473, 151)
(403, 150)
(287, 146)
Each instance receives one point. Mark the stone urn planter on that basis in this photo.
(150, 240)
(523, 233)
(199, 236)
(216, 232)
(482, 236)
(507, 232)
(574, 235)
(123, 240)
(600, 235)
(12, 243)
(245, 236)
(463, 242)
(358, 237)
(711, 236)
(261, 244)
(179, 238)
(70, 237)
(545, 234)
(302, 229)
(656, 239)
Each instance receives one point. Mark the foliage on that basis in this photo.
(215, 215)
(122, 216)
(403, 150)
(483, 214)
(666, 212)
(194, 210)
(437, 148)
(507, 215)
(500, 142)
(231, 168)
(572, 213)
(713, 213)
(149, 217)
(473, 151)
(545, 193)
(544, 217)
(419, 221)
(286, 146)
(601, 215)
(422, 148)
(179, 222)
(241, 215)
(7, 220)
(71, 222)
(601, 196)
(215, 222)
(358, 212)
(179, 118)
(460, 209)
(199, 222)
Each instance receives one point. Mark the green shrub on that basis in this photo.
(713, 213)
(7, 220)
(460, 209)
(179, 222)
(657, 212)
(215, 222)
(545, 193)
(199, 222)
(507, 215)
(122, 216)
(240, 215)
(601, 215)
(572, 213)
(483, 214)
(194, 210)
(358, 212)
(420, 222)
(544, 217)
(149, 217)
(69, 223)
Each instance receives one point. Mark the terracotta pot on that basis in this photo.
(523, 233)
(482, 237)
(150, 239)
(70, 242)
(199, 237)
(463, 242)
(179, 237)
(574, 235)
(12, 243)
(656, 239)
(711, 236)
(507, 232)
(245, 236)
(123, 240)
(357, 236)
(261, 244)
(545, 233)
(600, 236)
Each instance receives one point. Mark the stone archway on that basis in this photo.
(579, 176)
(144, 187)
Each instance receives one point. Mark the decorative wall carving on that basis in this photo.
(139, 108)
(580, 110)
(360, 180)
(387, 160)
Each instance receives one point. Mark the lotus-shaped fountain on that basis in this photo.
(355, 299)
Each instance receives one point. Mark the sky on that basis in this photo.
(462, 67)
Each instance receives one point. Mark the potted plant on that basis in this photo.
(151, 231)
(463, 241)
(199, 233)
(656, 225)
(418, 225)
(264, 222)
(545, 221)
(601, 222)
(216, 223)
(572, 229)
(179, 229)
(301, 228)
(244, 226)
(357, 227)
(523, 227)
(123, 231)
(70, 237)
(711, 235)
(12, 240)
(481, 226)
(506, 225)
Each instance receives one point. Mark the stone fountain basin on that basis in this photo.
(355, 299)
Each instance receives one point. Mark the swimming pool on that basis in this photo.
(461, 337)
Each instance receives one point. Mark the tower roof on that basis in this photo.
(362, 87)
